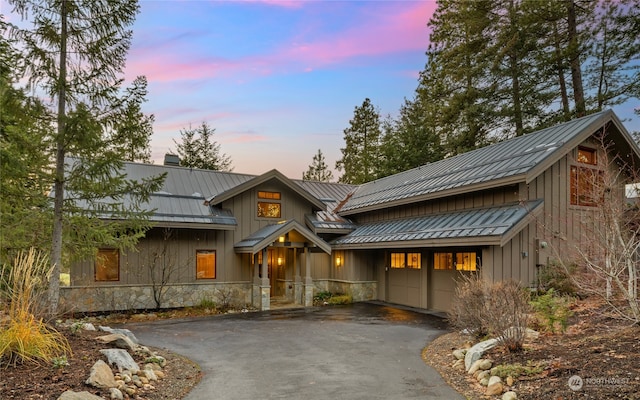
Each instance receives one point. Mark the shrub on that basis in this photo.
(468, 305)
(556, 277)
(507, 313)
(500, 309)
(23, 336)
(340, 299)
(27, 339)
(517, 370)
(552, 310)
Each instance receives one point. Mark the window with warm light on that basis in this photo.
(205, 264)
(406, 260)
(107, 265)
(269, 210)
(442, 261)
(466, 261)
(269, 195)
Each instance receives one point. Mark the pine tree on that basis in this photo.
(75, 52)
(197, 149)
(360, 156)
(318, 170)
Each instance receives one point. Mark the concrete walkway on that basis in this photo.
(362, 351)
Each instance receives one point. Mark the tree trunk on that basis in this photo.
(56, 245)
(574, 60)
(561, 81)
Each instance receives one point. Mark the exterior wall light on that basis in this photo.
(279, 260)
(338, 261)
(281, 239)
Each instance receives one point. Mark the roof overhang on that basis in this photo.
(494, 226)
(270, 235)
(258, 180)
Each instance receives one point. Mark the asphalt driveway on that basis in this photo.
(362, 351)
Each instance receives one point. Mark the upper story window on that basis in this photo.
(586, 181)
(269, 209)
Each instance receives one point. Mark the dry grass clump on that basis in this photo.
(25, 337)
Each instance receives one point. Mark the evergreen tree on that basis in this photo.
(360, 156)
(318, 170)
(25, 158)
(131, 132)
(197, 149)
(75, 52)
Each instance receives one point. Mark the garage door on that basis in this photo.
(404, 286)
(442, 287)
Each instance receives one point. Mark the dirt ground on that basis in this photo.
(45, 382)
(603, 352)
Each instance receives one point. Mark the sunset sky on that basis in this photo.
(278, 79)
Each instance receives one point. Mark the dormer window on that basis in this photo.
(269, 209)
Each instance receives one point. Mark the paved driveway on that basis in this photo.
(362, 351)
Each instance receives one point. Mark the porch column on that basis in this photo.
(265, 287)
(256, 295)
(297, 279)
(308, 282)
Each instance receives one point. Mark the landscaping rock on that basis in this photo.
(118, 340)
(494, 379)
(480, 365)
(88, 326)
(484, 381)
(509, 381)
(476, 352)
(125, 332)
(494, 389)
(459, 353)
(121, 359)
(115, 394)
(483, 374)
(70, 395)
(458, 364)
(509, 396)
(101, 376)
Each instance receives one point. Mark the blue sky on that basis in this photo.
(278, 79)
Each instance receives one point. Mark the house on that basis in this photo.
(404, 239)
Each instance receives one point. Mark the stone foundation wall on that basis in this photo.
(238, 294)
(359, 291)
(140, 297)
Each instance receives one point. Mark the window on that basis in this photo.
(268, 210)
(269, 195)
(464, 261)
(587, 156)
(205, 264)
(107, 265)
(405, 260)
(443, 261)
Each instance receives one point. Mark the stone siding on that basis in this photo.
(359, 291)
(238, 294)
(140, 297)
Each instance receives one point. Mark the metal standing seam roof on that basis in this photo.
(493, 225)
(510, 159)
(267, 235)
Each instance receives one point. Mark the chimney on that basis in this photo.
(171, 160)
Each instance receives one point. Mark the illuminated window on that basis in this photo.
(586, 184)
(587, 156)
(397, 260)
(205, 264)
(269, 195)
(107, 265)
(413, 260)
(466, 261)
(268, 210)
(406, 260)
(443, 261)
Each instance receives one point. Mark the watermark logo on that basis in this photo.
(575, 383)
